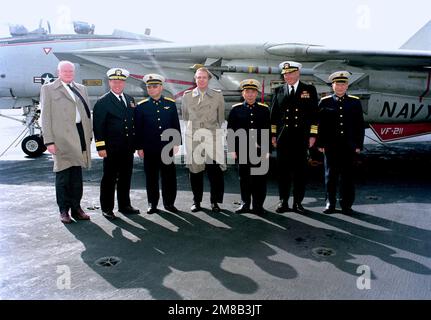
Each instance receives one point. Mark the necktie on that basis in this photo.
(122, 101)
(201, 97)
(292, 91)
(87, 110)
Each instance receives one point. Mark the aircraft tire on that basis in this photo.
(33, 146)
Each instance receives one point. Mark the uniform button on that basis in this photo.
(342, 132)
(160, 127)
(341, 115)
(127, 135)
(296, 110)
(251, 129)
(125, 120)
(251, 114)
(341, 124)
(160, 135)
(296, 125)
(158, 111)
(127, 128)
(251, 121)
(287, 117)
(296, 117)
(158, 119)
(341, 108)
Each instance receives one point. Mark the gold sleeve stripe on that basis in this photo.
(273, 128)
(313, 129)
(100, 143)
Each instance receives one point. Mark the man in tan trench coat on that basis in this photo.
(67, 132)
(203, 112)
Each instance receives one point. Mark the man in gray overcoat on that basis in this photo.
(203, 112)
(67, 132)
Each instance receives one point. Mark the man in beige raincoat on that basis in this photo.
(203, 113)
(67, 132)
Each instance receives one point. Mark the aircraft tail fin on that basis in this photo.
(421, 40)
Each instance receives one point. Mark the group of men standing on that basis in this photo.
(335, 126)
(294, 123)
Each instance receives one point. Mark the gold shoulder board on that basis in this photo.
(354, 97)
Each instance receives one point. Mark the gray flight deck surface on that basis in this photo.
(207, 255)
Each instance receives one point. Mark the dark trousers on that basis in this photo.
(153, 165)
(68, 188)
(253, 187)
(81, 134)
(215, 176)
(117, 171)
(339, 165)
(292, 168)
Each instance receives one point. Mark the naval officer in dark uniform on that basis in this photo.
(294, 129)
(254, 118)
(155, 116)
(113, 126)
(341, 137)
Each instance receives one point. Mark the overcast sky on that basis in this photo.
(366, 24)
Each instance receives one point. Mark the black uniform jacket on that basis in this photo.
(252, 118)
(341, 122)
(152, 118)
(294, 119)
(113, 123)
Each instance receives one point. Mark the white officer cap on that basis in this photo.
(289, 66)
(339, 77)
(117, 74)
(153, 78)
(249, 84)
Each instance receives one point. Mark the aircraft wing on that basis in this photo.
(396, 59)
(150, 53)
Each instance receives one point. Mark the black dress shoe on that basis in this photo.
(243, 209)
(171, 208)
(129, 210)
(329, 209)
(347, 211)
(109, 215)
(196, 207)
(258, 211)
(282, 207)
(65, 217)
(298, 208)
(215, 207)
(152, 209)
(79, 214)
